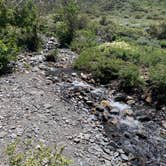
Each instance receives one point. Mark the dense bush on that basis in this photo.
(26, 19)
(158, 30)
(63, 33)
(52, 56)
(158, 78)
(65, 29)
(83, 39)
(95, 61)
(130, 77)
(7, 53)
(30, 155)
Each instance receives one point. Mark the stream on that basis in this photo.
(137, 129)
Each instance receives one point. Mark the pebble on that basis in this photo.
(48, 106)
(124, 157)
(3, 134)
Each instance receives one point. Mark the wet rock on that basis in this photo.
(163, 123)
(124, 157)
(77, 140)
(141, 134)
(120, 97)
(128, 112)
(105, 103)
(90, 103)
(131, 102)
(84, 76)
(163, 133)
(115, 111)
(144, 118)
(74, 74)
(100, 108)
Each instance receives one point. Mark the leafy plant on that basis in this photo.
(130, 77)
(7, 53)
(35, 155)
(65, 30)
(83, 40)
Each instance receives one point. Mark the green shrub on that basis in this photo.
(29, 39)
(158, 76)
(102, 67)
(27, 20)
(158, 30)
(83, 40)
(130, 77)
(65, 30)
(122, 50)
(7, 53)
(26, 16)
(30, 155)
(6, 14)
(62, 33)
(82, 21)
(163, 43)
(103, 21)
(150, 56)
(52, 56)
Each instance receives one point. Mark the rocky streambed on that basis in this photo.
(138, 130)
(53, 103)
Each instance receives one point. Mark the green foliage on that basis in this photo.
(26, 16)
(7, 53)
(158, 30)
(158, 79)
(52, 56)
(83, 40)
(95, 61)
(25, 154)
(82, 21)
(6, 14)
(62, 33)
(65, 30)
(163, 43)
(130, 76)
(26, 19)
(103, 21)
(158, 76)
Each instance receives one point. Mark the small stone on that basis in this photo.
(3, 134)
(13, 136)
(115, 111)
(90, 103)
(131, 102)
(47, 106)
(74, 74)
(128, 112)
(100, 108)
(87, 136)
(121, 151)
(116, 154)
(141, 134)
(144, 118)
(105, 103)
(76, 140)
(163, 133)
(163, 123)
(124, 157)
(148, 99)
(84, 77)
(19, 131)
